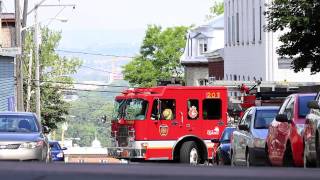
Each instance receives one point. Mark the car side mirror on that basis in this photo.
(282, 118)
(313, 105)
(64, 148)
(46, 129)
(243, 127)
(215, 140)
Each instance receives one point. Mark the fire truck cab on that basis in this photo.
(168, 123)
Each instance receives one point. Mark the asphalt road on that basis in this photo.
(146, 171)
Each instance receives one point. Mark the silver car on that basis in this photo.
(22, 137)
(248, 140)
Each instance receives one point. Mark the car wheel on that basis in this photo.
(217, 159)
(317, 149)
(221, 162)
(248, 159)
(189, 153)
(287, 157)
(267, 162)
(306, 162)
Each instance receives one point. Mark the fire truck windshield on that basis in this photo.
(130, 109)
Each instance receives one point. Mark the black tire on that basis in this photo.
(287, 157)
(306, 162)
(248, 159)
(317, 149)
(220, 161)
(217, 159)
(185, 152)
(267, 162)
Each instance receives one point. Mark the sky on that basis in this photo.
(106, 22)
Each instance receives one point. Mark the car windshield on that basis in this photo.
(130, 109)
(226, 135)
(18, 123)
(55, 146)
(263, 118)
(303, 108)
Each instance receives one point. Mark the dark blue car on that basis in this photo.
(222, 154)
(56, 151)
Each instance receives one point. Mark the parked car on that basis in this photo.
(285, 136)
(248, 140)
(56, 151)
(22, 137)
(311, 155)
(222, 155)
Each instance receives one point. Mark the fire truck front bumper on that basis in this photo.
(126, 152)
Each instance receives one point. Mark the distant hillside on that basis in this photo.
(98, 68)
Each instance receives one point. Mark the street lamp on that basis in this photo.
(37, 63)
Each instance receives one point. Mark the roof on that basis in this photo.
(217, 22)
(194, 60)
(217, 53)
(17, 113)
(7, 16)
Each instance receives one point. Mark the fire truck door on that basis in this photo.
(165, 120)
(212, 113)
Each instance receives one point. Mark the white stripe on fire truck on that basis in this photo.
(165, 144)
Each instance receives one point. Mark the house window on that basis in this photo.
(247, 12)
(253, 23)
(203, 82)
(237, 23)
(203, 46)
(248, 78)
(226, 76)
(260, 21)
(234, 77)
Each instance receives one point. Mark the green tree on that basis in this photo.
(299, 22)
(53, 68)
(85, 119)
(216, 9)
(159, 56)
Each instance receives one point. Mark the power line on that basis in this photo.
(95, 54)
(96, 69)
(101, 85)
(87, 90)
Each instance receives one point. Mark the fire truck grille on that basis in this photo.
(123, 136)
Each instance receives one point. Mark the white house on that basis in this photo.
(249, 51)
(201, 40)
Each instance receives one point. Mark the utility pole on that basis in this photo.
(0, 23)
(19, 62)
(29, 83)
(37, 63)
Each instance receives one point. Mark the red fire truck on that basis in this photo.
(168, 123)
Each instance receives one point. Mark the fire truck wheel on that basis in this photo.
(189, 153)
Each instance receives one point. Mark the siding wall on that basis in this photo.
(194, 73)
(6, 81)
